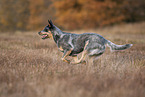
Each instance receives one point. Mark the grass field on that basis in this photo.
(32, 67)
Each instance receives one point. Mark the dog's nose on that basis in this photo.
(39, 32)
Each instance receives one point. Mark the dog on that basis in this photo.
(70, 44)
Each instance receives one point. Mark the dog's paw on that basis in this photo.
(65, 60)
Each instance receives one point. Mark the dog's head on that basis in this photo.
(46, 32)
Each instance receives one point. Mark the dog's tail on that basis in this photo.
(114, 47)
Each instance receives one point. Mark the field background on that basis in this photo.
(32, 67)
(25, 15)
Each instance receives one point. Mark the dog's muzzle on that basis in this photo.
(39, 33)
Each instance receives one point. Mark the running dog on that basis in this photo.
(70, 44)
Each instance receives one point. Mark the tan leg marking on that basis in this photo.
(82, 57)
(67, 54)
(60, 48)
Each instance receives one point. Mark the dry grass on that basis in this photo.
(32, 67)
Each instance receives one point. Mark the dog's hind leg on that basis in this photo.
(83, 54)
(81, 59)
(94, 54)
(66, 53)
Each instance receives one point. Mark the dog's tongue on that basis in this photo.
(44, 36)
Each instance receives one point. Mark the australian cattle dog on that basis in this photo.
(70, 44)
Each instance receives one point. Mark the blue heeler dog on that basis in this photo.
(72, 44)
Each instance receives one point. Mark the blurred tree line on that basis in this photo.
(68, 14)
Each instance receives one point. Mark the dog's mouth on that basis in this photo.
(44, 36)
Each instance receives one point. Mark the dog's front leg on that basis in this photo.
(66, 53)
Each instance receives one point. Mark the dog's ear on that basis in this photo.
(50, 24)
